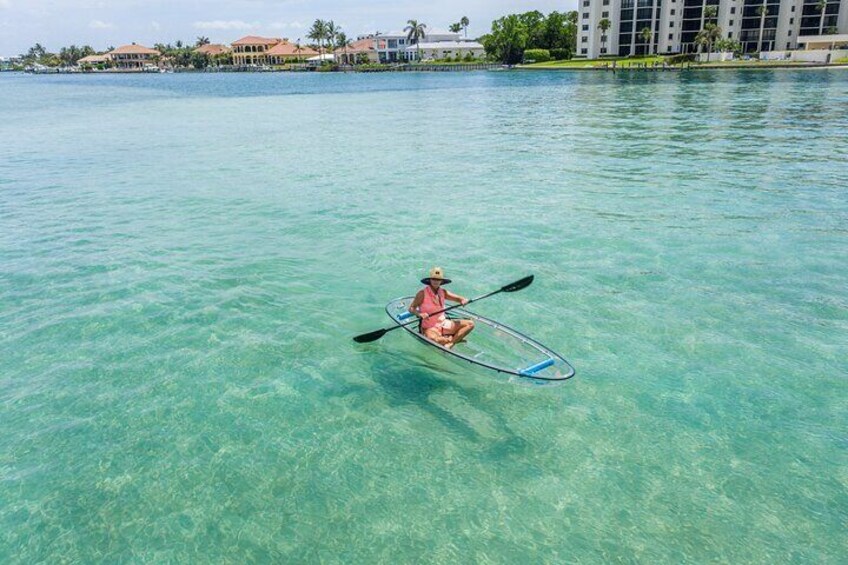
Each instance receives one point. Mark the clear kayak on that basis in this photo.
(492, 345)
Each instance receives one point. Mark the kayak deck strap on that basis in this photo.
(533, 369)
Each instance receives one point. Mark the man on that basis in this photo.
(428, 304)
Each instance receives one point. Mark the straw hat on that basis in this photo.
(438, 274)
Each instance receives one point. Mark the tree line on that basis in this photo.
(515, 34)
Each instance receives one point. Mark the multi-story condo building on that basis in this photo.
(639, 27)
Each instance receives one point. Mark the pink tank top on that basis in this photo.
(432, 303)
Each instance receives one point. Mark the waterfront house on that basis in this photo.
(759, 25)
(429, 50)
(253, 50)
(356, 51)
(9, 63)
(94, 60)
(392, 47)
(213, 49)
(134, 57)
(285, 52)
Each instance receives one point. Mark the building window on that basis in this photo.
(733, 9)
(606, 2)
(585, 27)
(670, 24)
(585, 3)
(730, 22)
(793, 7)
(605, 15)
(672, 11)
(603, 50)
(789, 46)
(584, 51)
(585, 15)
(729, 35)
(670, 36)
(584, 39)
(790, 33)
(791, 21)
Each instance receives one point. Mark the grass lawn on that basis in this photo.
(620, 62)
(751, 63)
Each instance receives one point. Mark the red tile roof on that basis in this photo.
(361, 46)
(286, 49)
(257, 40)
(134, 50)
(213, 49)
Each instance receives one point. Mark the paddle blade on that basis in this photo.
(518, 285)
(370, 336)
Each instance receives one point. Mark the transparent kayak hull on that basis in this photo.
(492, 345)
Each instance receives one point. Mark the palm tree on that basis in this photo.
(455, 28)
(604, 25)
(414, 33)
(762, 11)
(821, 6)
(331, 32)
(707, 37)
(201, 41)
(342, 43)
(646, 35)
(464, 23)
(317, 33)
(710, 12)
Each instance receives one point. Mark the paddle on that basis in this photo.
(512, 287)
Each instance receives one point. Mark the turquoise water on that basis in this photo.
(185, 259)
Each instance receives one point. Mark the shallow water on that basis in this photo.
(186, 257)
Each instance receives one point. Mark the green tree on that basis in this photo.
(415, 32)
(199, 60)
(646, 34)
(508, 40)
(821, 6)
(707, 37)
(463, 21)
(201, 41)
(455, 28)
(317, 33)
(710, 12)
(534, 25)
(559, 33)
(331, 31)
(604, 26)
(762, 11)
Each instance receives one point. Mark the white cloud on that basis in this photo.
(99, 24)
(286, 25)
(224, 24)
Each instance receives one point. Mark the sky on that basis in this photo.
(103, 23)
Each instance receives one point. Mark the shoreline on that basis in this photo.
(678, 68)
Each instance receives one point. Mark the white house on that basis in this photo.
(445, 49)
(393, 47)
